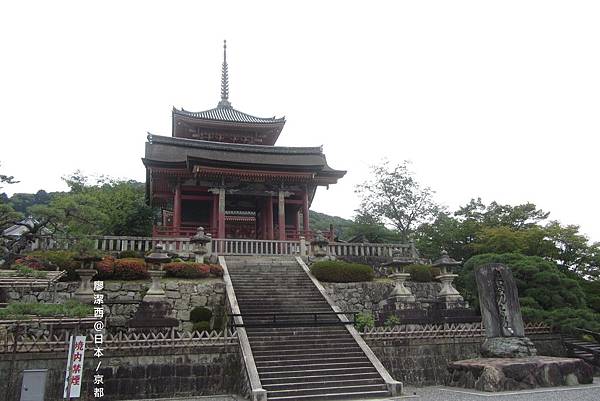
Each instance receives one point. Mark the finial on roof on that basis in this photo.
(224, 103)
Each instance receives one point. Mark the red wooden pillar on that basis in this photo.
(305, 214)
(221, 223)
(269, 217)
(214, 216)
(281, 215)
(177, 207)
(297, 223)
(263, 220)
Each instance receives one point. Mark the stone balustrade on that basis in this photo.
(231, 246)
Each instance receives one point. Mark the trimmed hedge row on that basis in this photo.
(125, 267)
(337, 271)
(422, 273)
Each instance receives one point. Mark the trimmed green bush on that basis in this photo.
(422, 273)
(186, 270)
(130, 269)
(200, 314)
(58, 258)
(201, 326)
(341, 272)
(130, 254)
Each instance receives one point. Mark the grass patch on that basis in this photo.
(19, 310)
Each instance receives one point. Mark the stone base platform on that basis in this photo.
(505, 374)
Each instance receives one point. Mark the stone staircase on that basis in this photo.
(586, 350)
(301, 350)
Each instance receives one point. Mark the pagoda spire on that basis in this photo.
(224, 103)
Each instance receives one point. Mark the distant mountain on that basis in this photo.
(321, 221)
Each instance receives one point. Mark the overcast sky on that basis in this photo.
(493, 99)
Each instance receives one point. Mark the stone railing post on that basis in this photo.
(303, 246)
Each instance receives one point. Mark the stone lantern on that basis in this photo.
(320, 245)
(199, 242)
(448, 293)
(85, 292)
(155, 261)
(400, 292)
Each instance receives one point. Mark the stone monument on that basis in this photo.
(501, 314)
(510, 361)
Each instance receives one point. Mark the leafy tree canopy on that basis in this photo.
(546, 292)
(394, 197)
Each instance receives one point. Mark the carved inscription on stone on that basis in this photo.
(499, 302)
(500, 290)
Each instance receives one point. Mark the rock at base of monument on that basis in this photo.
(508, 347)
(507, 374)
(152, 315)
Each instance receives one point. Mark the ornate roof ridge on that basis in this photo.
(240, 147)
(228, 114)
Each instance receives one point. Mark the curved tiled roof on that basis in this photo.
(228, 114)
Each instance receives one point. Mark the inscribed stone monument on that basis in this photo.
(501, 313)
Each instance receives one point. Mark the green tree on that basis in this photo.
(540, 282)
(7, 179)
(522, 216)
(394, 197)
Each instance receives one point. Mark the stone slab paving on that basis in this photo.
(589, 392)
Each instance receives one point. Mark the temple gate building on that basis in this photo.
(220, 169)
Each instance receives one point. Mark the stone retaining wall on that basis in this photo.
(365, 296)
(421, 362)
(184, 295)
(135, 374)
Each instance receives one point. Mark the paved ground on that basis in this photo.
(590, 392)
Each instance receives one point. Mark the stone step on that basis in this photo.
(302, 341)
(322, 359)
(325, 390)
(316, 337)
(347, 395)
(313, 372)
(319, 355)
(285, 299)
(313, 366)
(282, 298)
(298, 349)
(297, 331)
(320, 378)
(322, 382)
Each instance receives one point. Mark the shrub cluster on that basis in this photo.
(130, 254)
(422, 273)
(32, 263)
(341, 272)
(52, 260)
(192, 270)
(201, 316)
(187, 270)
(110, 268)
(364, 320)
(130, 269)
